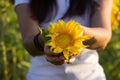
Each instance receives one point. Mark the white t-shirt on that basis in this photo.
(17, 2)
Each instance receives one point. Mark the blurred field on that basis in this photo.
(14, 60)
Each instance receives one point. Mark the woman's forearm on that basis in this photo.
(28, 28)
(100, 26)
(99, 37)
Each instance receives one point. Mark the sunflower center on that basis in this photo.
(63, 40)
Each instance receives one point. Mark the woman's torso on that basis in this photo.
(63, 6)
(86, 65)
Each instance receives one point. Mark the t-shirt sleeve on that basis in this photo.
(17, 2)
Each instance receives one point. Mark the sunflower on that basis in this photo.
(65, 38)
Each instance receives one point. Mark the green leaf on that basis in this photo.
(44, 33)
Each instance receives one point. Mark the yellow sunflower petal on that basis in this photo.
(74, 50)
(57, 50)
(66, 55)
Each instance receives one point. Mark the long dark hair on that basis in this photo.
(41, 8)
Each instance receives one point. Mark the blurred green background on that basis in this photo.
(15, 61)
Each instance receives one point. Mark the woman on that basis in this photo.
(94, 17)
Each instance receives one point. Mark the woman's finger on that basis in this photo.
(48, 52)
(55, 60)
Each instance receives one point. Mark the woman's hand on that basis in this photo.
(56, 59)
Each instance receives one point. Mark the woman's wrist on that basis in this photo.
(41, 42)
(38, 42)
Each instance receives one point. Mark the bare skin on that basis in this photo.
(99, 31)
